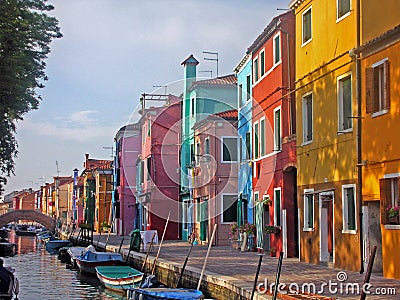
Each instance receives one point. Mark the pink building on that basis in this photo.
(128, 147)
(215, 176)
(158, 169)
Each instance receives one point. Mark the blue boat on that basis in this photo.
(52, 246)
(164, 293)
(90, 260)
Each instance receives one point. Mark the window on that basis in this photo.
(343, 8)
(198, 152)
(277, 207)
(307, 34)
(229, 149)
(192, 107)
(307, 118)
(248, 87)
(349, 207)
(148, 127)
(389, 195)
(256, 145)
(192, 156)
(262, 63)
(262, 137)
(345, 103)
(148, 164)
(277, 130)
(308, 209)
(248, 143)
(207, 146)
(377, 84)
(229, 208)
(277, 49)
(255, 70)
(240, 94)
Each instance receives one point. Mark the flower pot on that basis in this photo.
(394, 220)
(272, 252)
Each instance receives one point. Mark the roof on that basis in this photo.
(267, 32)
(97, 164)
(390, 34)
(190, 60)
(228, 115)
(295, 3)
(222, 80)
(242, 62)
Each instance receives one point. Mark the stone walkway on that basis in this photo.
(238, 269)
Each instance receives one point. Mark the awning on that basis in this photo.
(317, 191)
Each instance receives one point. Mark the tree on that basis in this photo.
(26, 32)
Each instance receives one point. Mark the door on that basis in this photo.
(185, 219)
(326, 227)
(204, 220)
(259, 223)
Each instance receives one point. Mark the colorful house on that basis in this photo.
(157, 168)
(61, 197)
(326, 110)
(75, 195)
(97, 184)
(214, 176)
(127, 147)
(201, 98)
(274, 140)
(243, 73)
(378, 56)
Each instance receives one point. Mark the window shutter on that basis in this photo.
(384, 185)
(369, 93)
(386, 84)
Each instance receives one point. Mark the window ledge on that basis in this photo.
(308, 229)
(392, 227)
(379, 113)
(343, 17)
(349, 231)
(306, 143)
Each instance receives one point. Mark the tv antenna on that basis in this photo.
(58, 171)
(213, 59)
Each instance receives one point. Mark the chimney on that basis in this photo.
(86, 160)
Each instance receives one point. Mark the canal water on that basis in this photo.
(42, 276)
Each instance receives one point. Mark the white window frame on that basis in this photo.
(206, 142)
(304, 120)
(339, 88)
(255, 63)
(254, 144)
(280, 49)
(338, 19)
(280, 205)
(192, 106)
(222, 206)
(261, 65)
(303, 43)
(382, 110)
(248, 87)
(276, 148)
(222, 150)
(261, 136)
(306, 227)
(345, 228)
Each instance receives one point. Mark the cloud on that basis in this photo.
(82, 117)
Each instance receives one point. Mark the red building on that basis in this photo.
(158, 169)
(273, 120)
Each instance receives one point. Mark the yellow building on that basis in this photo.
(380, 90)
(326, 110)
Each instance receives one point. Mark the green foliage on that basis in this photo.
(25, 35)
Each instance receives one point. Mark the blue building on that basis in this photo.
(244, 85)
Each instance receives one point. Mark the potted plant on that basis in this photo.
(105, 227)
(270, 229)
(272, 252)
(393, 214)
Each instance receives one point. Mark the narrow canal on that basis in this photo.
(42, 276)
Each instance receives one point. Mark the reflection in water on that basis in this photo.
(42, 276)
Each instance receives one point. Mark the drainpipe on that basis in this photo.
(359, 132)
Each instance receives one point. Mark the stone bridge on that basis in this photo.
(28, 215)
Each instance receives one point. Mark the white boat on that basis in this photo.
(90, 260)
(73, 252)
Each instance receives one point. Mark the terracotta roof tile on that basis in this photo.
(222, 80)
(98, 164)
(228, 114)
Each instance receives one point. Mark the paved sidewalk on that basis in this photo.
(239, 268)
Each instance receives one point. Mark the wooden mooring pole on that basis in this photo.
(184, 266)
(256, 278)
(278, 275)
(205, 260)
(368, 273)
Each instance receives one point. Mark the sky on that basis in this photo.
(112, 52)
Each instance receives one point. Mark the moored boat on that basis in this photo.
(52, 246)
(7, 248)
(164, 293)
(73, 252)
(88, 261)
(9, 286)
(119, 278)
